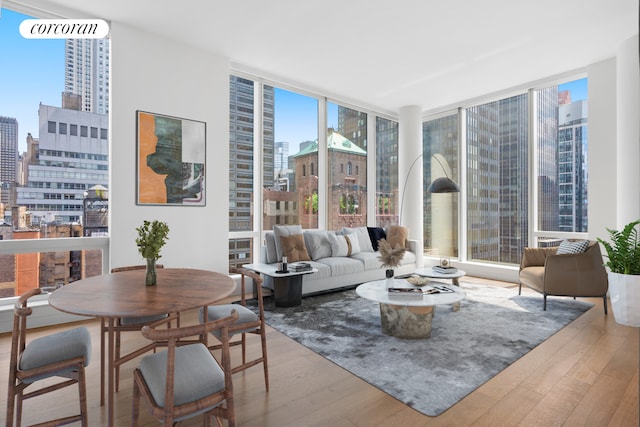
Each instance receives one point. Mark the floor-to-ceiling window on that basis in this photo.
(497, 174)
(347, 167)
(290, 159)
(386, 197)
(561, 160)
(54, 164)
(440, 159)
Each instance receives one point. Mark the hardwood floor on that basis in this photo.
(585, 375)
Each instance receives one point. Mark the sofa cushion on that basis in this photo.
(368, 259)
(343, 265)
(284, 230)
(397, 235)
(317, 243)
(293, 248)
(363, 237)
(375, 234)
(572, 247)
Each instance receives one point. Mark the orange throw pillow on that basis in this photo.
(293, 248)
(397, 235)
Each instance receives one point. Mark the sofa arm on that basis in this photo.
(536, 257)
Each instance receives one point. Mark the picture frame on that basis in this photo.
(170, 160)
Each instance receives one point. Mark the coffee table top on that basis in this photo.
(272, 270)
(377, 291)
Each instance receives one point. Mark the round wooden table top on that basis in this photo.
(124, 294)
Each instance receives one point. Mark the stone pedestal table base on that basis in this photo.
(406, 321)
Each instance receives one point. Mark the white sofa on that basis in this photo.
(335, 272)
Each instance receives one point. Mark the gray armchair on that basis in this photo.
(574, 275)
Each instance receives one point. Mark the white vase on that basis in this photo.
(624, 291)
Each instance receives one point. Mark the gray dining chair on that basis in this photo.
(128, 324)
(64, 354)
(186, 380)
(249, 322)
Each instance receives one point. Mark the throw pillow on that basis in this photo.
(363, 237)
(294, 249)
(397, 235)
(284, 230)
(375, 234)
(353, 241)
(338, 244)
(317, 242)
(572, 247)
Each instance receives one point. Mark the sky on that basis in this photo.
(31, 72)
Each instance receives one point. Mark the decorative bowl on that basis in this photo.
(418, 280)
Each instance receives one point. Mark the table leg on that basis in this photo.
(406, 321)
(456, 282)
(287, 291)
(111, 356)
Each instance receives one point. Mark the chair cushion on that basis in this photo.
(127, 321)
(197, 374)
(245, 315)
(572, 247)
(55, 348)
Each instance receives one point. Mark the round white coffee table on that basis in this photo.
(408, 316)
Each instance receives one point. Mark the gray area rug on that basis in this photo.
(493, 328)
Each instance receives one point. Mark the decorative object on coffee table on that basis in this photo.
(152, 236)
(390, 256)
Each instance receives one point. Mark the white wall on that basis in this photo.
(602, 147)
(158, 75)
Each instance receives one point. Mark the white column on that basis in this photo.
(628, 125)
(410, 175)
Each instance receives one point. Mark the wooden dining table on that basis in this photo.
(124, 294)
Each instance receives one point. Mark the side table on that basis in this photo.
(287, 287)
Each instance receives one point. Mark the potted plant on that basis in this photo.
(152, 236)
(623, 254)
(390, 257)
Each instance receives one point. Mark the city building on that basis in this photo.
(72, 156)
(86, 65)
(8, 159)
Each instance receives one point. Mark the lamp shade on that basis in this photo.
(443, 185)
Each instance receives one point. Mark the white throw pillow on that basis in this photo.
(338, 244)
(364, 240)
(354, 242)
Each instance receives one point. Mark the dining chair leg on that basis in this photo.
(117, 373)
(103, 331)
(82, 391)
(244, 348)
(265, 362)
(135, 403)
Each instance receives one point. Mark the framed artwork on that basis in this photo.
(170, 160)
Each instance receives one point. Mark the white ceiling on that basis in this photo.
(388, 54)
